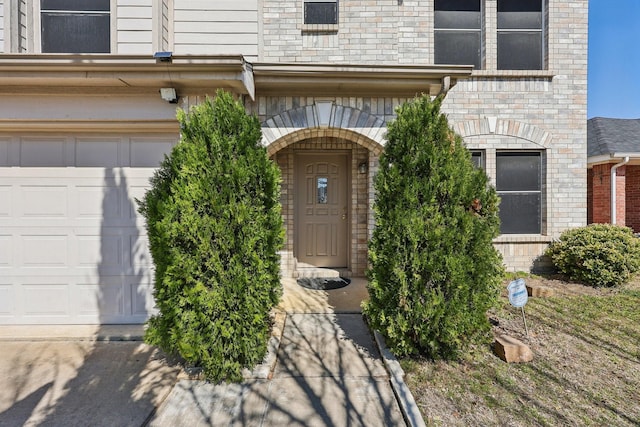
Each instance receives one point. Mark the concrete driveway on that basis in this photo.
(78, 383)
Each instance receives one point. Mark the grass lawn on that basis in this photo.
(586, 367)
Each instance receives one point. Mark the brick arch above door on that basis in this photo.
(324, 119)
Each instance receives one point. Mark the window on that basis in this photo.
(458, 32)
(519, 185)
(520, 35)
(477, 158)
(75, 26)
(320, 12)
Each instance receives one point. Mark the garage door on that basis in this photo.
(73, 249)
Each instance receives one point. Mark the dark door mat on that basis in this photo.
(323, 283)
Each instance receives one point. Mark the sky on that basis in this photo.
(614, 59)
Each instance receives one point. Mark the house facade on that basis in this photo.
(87, 110)
(613, 172)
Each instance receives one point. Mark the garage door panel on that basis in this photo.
(101, 251)
(44, 201)
(98, 153)
(45, 300)
(6, 251)
(138, 251)
(43, 153)
(101, 300)
(147, 153)
(7, 300)
(5, 200)
(142, 299)
(99, 202)
(4, 152)
(45, 250)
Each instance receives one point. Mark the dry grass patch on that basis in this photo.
(586, 367)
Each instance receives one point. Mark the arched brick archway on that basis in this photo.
(326, 129)
(324, 119)
(505, 127)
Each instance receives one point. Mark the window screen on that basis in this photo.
(520, 37)
(75, 26)
(320, 12)
(458, 32)
(519, 185)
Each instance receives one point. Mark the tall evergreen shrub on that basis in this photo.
(214, 225)
(434, 272)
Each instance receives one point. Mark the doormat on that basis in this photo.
(323, 283)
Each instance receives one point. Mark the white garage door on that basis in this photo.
(73, 249)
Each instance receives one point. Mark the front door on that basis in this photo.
(321, 209)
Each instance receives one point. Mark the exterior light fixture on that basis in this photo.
(363, 167)
(169, 94)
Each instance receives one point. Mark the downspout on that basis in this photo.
(614, 204)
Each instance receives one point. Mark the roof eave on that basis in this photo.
(356, 79)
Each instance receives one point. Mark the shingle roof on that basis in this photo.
(608, 136)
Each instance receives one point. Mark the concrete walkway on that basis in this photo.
(328, 373)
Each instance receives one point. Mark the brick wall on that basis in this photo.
(542, 110)
(632, 214)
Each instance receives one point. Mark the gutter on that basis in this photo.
(614, 204)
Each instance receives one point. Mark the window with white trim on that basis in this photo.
(458, 32)
(519, 185)
(520, 34)
(75, 26)
(320, 12)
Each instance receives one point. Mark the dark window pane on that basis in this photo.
(466, 5)
(519, 213)
(518, 172)
(476, 159)
(321, 13)
(75, 33)
(460, 20)
(457, 48)
(520, 20)
(519, 5)
(520, 50)
(77, 5)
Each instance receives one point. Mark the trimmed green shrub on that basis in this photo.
(600, 255)
(214, 225)
(434, 272)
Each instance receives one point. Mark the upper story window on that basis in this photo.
(75, 26)
(520, 34)
(519, 185)
(320, 12)
(458, 32)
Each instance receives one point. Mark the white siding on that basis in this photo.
(134, 23)
(2, 50)
(165, 41)
(73, 248)
(216, 27)
(22, 26)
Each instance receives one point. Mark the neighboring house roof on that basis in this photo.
(609, 136)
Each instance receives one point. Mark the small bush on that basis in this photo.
(214, 223)
(600, 255)
(434, 271)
